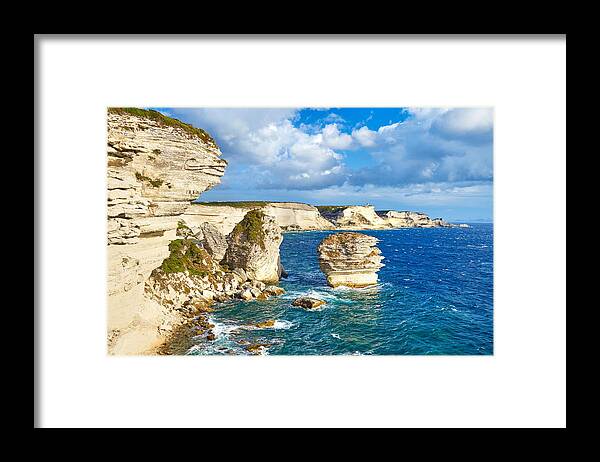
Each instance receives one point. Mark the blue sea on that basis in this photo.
(434, 297)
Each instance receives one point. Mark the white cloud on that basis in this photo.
(333, 117)
(334, 139)
(473, 123)
(267, 151)
(434, 145)
(271, 151)
(365, 137)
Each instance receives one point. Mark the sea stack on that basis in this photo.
(253, 246)
(350, 259)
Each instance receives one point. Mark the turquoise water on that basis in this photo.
(434, 297)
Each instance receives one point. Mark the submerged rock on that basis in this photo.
(253, 246)
(308, 303)
(257, 348)
(350, 259)
(269, 323)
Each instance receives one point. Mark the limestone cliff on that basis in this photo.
(406, 219)
(295, 216)
(253, 246)
(213, 241)
(289, 216)
(156, 166)
(350, 259)
(357, 217)
(354, 217)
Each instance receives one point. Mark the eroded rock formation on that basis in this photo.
(290, 216)
(294, 216)
(350, 259)
(253, 246)
(212, 240)
(354, 217)
(366, 217)
(156, 166)
(407, 219)
(190, 276)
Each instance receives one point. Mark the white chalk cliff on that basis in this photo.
(155, 168)
(357, 217)
(296, 216)
(290, 216)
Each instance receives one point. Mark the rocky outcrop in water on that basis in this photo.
(308, 303)
(187, 285)
(350, 259)
(155, 167)
(190, 276)
(253, 246)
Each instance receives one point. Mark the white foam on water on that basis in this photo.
(326, 296)
(282, 324)
(223, 329)
(279, 324)
(369, 289)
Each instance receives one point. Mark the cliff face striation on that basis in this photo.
(354, 217)
(350, 259)
(406, 219)
(253, 246)
(155, 166)
(295, 216)
(289, 216)
(366, 217)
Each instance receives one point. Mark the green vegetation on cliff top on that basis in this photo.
(330, 208)
(239, 204)
(164, 120)
(251, 228)
(187, 256)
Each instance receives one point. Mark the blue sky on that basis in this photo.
(434, 160)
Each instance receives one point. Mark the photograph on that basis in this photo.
(306, 231)
(300, 231)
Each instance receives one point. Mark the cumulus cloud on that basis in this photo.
(470, 125)
(266, 150)
(334, 139)
(432, 146)
(365, 137)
